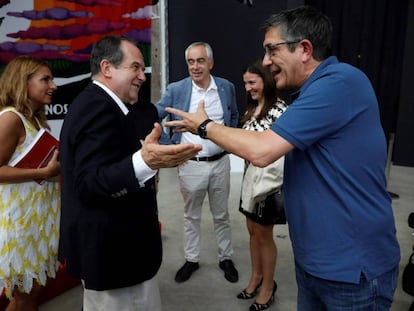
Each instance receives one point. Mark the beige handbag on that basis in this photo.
(260, 182)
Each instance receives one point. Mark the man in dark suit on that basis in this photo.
(109, 152)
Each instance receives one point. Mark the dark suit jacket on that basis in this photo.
(109, 234)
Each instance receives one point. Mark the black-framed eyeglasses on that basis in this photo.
(269, 48)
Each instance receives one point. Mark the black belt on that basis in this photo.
(212, 158)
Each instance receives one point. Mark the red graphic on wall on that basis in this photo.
(63, 33)
(65, 30)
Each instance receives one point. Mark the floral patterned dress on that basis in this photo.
(29, 227)
(261, 125)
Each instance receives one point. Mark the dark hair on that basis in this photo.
(304, 22)
(108, 47)
(270, 92)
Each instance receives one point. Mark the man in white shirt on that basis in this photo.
(209, 171)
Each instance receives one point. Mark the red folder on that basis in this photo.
(38, 153)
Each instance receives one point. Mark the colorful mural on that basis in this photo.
(63, 31)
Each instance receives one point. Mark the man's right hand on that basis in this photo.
(158, 156)
(189, 122)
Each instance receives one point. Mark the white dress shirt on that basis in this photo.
(214, 110)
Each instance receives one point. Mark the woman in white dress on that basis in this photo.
(29, 211)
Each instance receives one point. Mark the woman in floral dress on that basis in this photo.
(263, 108)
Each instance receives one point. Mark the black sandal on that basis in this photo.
(245, 295)
(263, 306)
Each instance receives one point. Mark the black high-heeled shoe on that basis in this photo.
(245, 295)
(263, 306)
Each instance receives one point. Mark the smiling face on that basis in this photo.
(40, 88)
(199, 65)
(285, 65)
(127, 78)
(254, 85)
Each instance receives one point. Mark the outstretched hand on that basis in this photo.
(189, 121)
(158, 156)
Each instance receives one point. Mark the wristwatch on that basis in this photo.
(202, 131)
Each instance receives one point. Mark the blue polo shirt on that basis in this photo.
(340, 217)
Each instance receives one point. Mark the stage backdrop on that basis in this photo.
(233, 29)
(63, 32)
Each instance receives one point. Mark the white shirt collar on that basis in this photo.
(212, 85)
(118, 101)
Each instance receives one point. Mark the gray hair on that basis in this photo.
(304, 22)
(207, 46)
(108, 47)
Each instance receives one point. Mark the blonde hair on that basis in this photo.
(14, 88)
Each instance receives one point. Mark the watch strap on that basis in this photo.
(202, 128)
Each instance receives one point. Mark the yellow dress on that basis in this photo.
(29, 227)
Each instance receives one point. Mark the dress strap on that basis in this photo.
(22, 117)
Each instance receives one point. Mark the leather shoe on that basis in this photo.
(186, 271)
(230, 272)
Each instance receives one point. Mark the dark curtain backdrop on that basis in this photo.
(404, 136)
(370, 34)
(229, 26)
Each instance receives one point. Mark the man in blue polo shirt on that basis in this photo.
(340, 216)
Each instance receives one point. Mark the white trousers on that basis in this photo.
(196, 180)
(141, 297)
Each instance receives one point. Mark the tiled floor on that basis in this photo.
(207, 290)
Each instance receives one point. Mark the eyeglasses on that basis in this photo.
(269, 48)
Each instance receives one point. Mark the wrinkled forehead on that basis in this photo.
(132, 54)
(197, 52)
